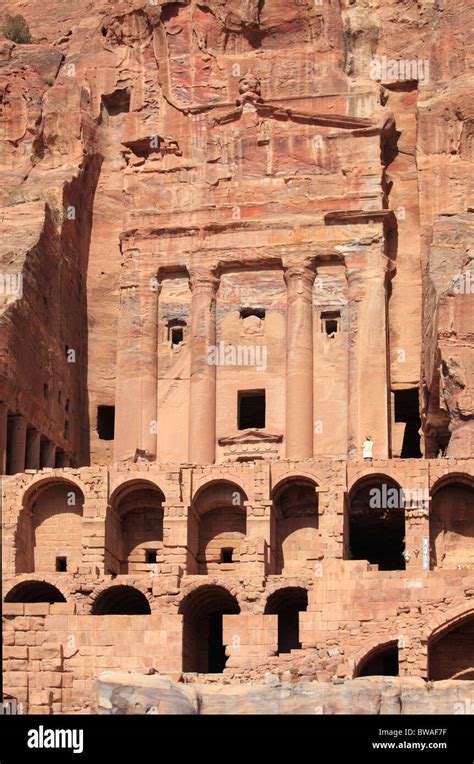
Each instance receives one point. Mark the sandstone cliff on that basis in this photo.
(102, 79)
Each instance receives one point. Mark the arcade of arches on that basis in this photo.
(240, 572)
(50, 534)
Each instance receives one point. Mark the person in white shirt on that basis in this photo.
(368, 448)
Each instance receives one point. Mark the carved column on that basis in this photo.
(33, 444)
(368, 355)
(63, 460)
(48, 454)
(299, 362)
(18, 445)
(202, 394)
(137, 369)
(3, 437)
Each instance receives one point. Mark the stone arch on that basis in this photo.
(287, 603)
(134, 529)
(452, 522)
(301, 475)
(452, 477)
(380, 660)
(41, 482)
(203, 608)
(128, 486)
(31, 590)
(438, 624)
(239, 479)
(48, 536)
(375, 528)
(120, 599)
(295, 525)
(63, 584)
(451, 646)
(368, 473)
(220, 482)
(217, 527)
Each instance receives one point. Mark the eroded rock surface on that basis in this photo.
(135, 694)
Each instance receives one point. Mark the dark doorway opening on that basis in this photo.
(251, 409)
(383, 662)
(407, 410)
(203, 638)
(287, 604)
(106, 422)
(217, 656)
(377, 523)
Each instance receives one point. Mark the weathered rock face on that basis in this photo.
(217, 121)
(136, 694)
(237, 238)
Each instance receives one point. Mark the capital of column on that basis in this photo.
(299, 279)
(382, 267)
(154, 285)
(143, 279)
(203, 280)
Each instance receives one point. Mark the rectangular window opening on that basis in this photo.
(150, 556)
(226, 555)
(330, 322)
(117, 102)
(106, 422)
(61, 564)
(251, 409)
(177, 335)
(407, 409)
(246, 312)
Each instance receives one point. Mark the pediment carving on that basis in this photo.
(250, 436)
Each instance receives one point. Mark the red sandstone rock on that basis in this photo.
(203, 204)
(135, 694)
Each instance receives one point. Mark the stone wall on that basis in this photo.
(347, 611)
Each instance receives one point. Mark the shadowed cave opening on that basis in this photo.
(381, 662)
(377, 523)
(203, 639)
(287, 604)
(451, 656)
(121, 600)
(34, 591)
(407, 410)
